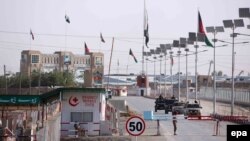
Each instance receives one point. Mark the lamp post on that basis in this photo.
(165, 47)
(233, 24)
(179, 44)
(196, 37)
(159, 51)
(152, 51)
(244, 13)
(214, 30)
(171, 70)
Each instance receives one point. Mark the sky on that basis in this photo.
(122, 19)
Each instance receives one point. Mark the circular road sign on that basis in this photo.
(135, 126)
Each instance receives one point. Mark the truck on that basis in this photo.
(164, 104)
(192, 109)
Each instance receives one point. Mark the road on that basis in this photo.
(191, 130)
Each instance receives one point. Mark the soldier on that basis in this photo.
(160, 97)
(174, 113)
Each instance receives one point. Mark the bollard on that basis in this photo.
(158, 127)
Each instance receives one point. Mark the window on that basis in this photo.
(34, 58)
(82, 116)
(98, 60)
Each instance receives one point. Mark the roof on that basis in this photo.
(43, 98)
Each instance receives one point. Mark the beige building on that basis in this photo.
(91, 64)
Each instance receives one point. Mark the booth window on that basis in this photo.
(82, 116)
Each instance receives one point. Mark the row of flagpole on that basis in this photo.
(199, 31)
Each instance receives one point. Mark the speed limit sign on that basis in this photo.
(135, 126)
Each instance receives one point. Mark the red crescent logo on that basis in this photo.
(73, 101)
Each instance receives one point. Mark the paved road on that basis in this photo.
(191, 130)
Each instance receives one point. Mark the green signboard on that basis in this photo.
(18, 99)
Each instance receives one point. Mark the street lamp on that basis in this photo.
(179, 44)
(159, 51)
(197, 37)
(152, 51)
(244, 13)
(214, 30)
(233, 24)
(171, 70)
(166, 47)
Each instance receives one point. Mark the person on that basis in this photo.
(79, 131)
(76, 128)
(174, 113)
(160, 97)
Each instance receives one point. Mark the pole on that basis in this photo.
(20, 82)
(110, 59)
(39, 81)
(154, 77)
(214, 88)
(160, 75)
(179, 77)
(196, 59)
(30, 77)
(165, 65)
(143, 37)
(171, 72)
(5, 77)
(233, 55)
(186, 74)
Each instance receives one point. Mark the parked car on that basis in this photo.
(192, 109)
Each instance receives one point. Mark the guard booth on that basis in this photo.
(85, 107)
(143, 88)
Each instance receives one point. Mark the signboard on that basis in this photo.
(19, 99)
(67, 59)
(135, 126)
(89, 100)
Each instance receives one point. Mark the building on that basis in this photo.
(91, 64)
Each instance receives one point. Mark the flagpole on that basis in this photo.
(196, 58)
(30, 69)
(143, 37)
(110, 62)
(127, 65)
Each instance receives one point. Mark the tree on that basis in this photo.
(220, 73)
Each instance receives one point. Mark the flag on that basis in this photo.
(102, 38)
(131, 53)
(201, 30)
(172, 61)
(32, 35)
(86, 48)
(146, 28)
(67, 19)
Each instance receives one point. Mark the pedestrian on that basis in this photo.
(174, 114)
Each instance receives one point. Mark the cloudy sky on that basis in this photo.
(122, 19)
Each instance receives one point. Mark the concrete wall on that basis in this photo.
(51, 129)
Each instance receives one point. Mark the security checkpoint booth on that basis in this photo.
(84, 106)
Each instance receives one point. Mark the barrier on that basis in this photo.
(92, 128)
(236, 119)
(193, 117)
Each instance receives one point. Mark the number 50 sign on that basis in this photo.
(135, 126)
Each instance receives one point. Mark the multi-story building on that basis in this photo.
(91, 64)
